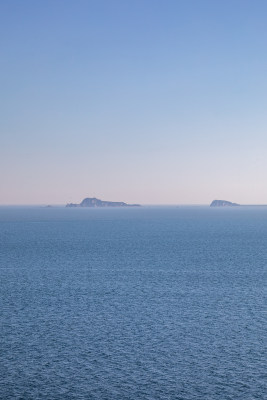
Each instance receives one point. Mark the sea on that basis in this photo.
(146, 303)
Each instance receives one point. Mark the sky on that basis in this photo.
(142, 101)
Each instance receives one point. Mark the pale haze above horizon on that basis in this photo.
(144, 101)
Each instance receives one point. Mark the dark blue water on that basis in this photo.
(149, 303)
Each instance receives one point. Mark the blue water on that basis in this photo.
(145, 303)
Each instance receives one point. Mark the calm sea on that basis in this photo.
(127, 304)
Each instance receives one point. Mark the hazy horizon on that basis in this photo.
(145, 102)
(51, 204)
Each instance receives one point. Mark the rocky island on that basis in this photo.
(223, 203)
(93, 202)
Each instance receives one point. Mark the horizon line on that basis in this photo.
(48, 205)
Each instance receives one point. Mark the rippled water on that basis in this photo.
(148, 303)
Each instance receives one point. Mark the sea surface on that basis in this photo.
(141, 303)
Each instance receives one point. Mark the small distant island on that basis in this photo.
(223, 203)
(94, 202)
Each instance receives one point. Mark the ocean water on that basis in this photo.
(145, 303)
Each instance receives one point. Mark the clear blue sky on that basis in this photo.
(155, 102)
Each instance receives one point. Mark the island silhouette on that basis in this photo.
(94, 202)
(223, 203)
